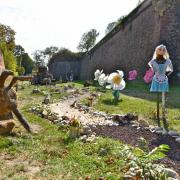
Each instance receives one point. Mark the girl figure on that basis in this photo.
(161, 64)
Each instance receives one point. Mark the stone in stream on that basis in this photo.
(36, 91)
(159, 132)
(158, 128)
(47, 99)
(45, 114)
(56, 121)
(124, 119)
(178, 140)
(177, 156)
(92, 138)
(86, 130)
(170, 173)
(143, 123)
(73, 104)
(172, 133)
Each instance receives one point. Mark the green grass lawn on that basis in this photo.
(50, 154)
(136, 98)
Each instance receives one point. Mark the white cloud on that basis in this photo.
(41, 23)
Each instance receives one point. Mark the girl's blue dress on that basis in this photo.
(160, 80)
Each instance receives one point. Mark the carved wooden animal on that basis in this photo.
(8, 101)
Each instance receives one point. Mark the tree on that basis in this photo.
(19, 52)
(7, 35)
(139, 2)
(7, 44)
(27, 63)
(24, 62)
(39, 58)
(49, 52)
(110, 27)
(88, 40)
(64, 53)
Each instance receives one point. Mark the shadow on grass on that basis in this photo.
(111, 102)
(69, 140)
(141, 90)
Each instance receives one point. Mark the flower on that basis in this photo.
(102, 79)
(97, 74)
(132, 75)
(116, 81)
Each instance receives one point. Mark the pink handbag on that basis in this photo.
(148, 76)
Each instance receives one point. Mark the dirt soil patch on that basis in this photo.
(131, 135)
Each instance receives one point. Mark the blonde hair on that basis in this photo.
(166, 54)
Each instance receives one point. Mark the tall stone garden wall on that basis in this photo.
(131, 45)
(61, 69)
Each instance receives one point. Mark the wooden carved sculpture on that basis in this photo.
(8, 103)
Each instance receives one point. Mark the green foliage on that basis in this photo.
(58, 157)
(74, 122)
(39, 58)
(27, 63)
(64, 53)
(7, 44)
(122, 19)
(140, 164)
(9, 59)
(139, 2)
(7, 35)
(5, 143)
(136, 98)
(112, 25)
(88, 40)
(49, 52)
(157, 153)
(18, 51)
(24, 62)
(20, 70)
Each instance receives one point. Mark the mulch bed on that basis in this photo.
(131, 135)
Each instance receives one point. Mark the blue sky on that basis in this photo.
(42, 23)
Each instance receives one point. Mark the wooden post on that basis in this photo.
(164, 110)
(158, 119)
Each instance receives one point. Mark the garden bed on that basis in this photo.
(131, 135)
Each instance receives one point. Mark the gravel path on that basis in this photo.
(63, 109)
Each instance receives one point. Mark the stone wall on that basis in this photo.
(61, 69)
(132, 45)
(170, 31)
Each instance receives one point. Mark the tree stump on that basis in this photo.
(8, 104)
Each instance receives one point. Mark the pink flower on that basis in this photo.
(132, 75)
(148, 76)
